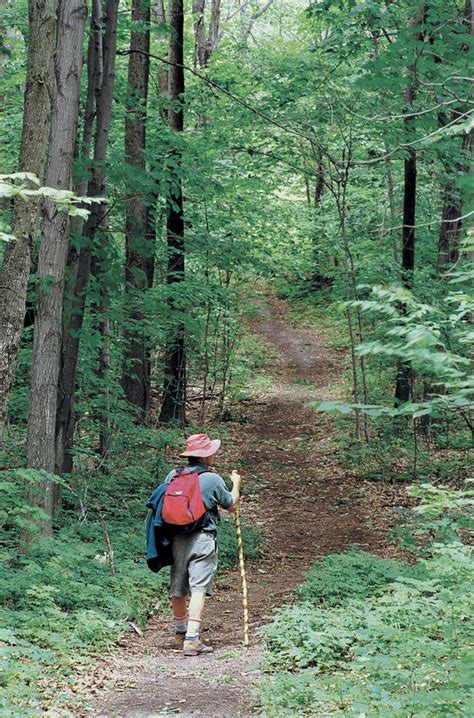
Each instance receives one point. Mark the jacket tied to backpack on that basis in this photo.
(176, 507)
(159, 540)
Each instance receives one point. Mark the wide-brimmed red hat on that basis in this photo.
(201, 445)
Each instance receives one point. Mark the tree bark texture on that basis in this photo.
(174, 390)
(76, 269)
(54, 248)
(205, 44)
(213, 35)
(138, 247)
(200, 46)
(33, 151)
(104, 80)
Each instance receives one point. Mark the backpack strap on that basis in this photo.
(192, 469)
(200, 469)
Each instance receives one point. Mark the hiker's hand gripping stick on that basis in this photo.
(236, 480)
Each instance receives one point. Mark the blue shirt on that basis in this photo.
(214, 493)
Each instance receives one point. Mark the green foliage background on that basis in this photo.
(320, 80)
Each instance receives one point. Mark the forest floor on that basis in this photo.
(304, 503)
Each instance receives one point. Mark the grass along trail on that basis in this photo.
(297, 494)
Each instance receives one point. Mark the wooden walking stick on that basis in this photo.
(240, 549)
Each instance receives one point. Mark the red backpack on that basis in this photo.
(183, 508)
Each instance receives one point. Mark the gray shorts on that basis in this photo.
(194, 564)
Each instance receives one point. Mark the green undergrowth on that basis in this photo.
(378, 638)
(227, 542)
(60, 603)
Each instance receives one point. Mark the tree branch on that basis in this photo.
(260, 12)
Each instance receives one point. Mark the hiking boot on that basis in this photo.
(179, 639)
(193, 647)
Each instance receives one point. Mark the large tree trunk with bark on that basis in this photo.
(139, 245)
(174, 389)
(96, 188)
(53, 251)
(33, 152)
(76, 271)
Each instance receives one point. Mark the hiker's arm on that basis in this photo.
(235, 493)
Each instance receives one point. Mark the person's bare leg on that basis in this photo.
(179, 606)
(179, 613)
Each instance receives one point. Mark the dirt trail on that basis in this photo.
(299, 498)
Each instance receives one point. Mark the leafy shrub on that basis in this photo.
(302, 636)
(393, 645)
(61, 604)
(337, 578)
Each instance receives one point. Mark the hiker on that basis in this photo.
(195, 554)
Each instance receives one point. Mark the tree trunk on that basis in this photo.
(451, 226)
(53, 251)
(200, 47)
(96, 188)
(100, 317)
(319, 185)
(77, 262)
(409, 211)
(213, 35)
(136, 380)
(174, 389)
(404, 377)
(453, 200)
(64, 416)
(205, 45)
(393, 210)
(33, 151)
(404, 373)
(96, 230)
(317, 279)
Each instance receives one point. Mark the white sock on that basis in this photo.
(193, 628)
